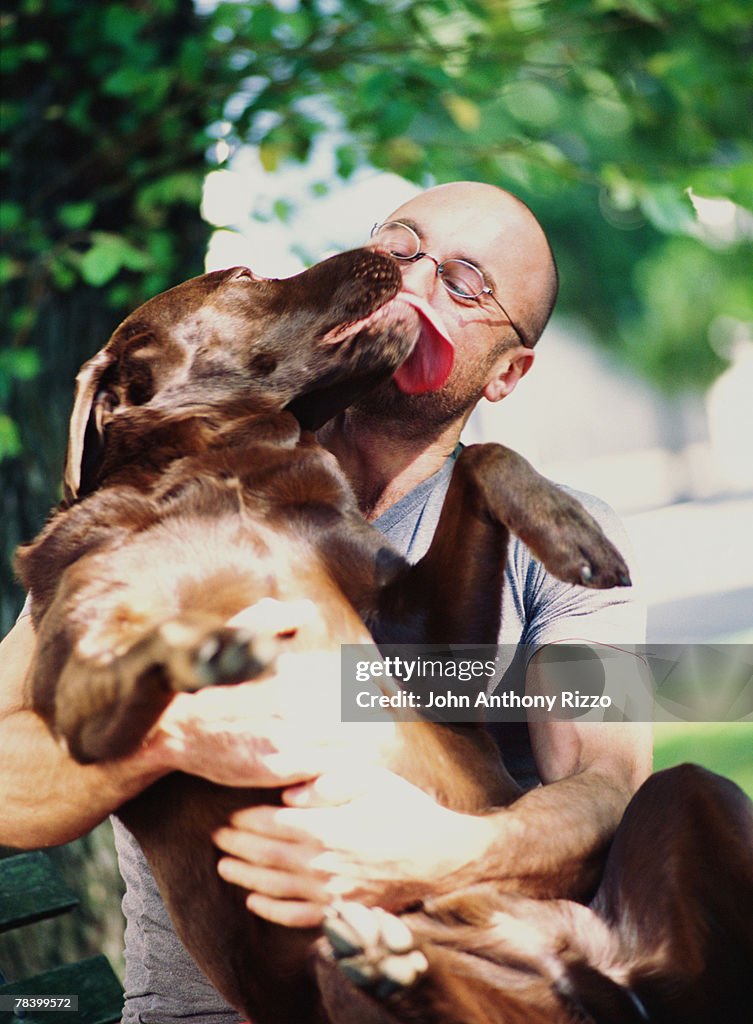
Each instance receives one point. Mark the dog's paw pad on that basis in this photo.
(195, 654)
(229, 656)
(374, 949)
(599, 564)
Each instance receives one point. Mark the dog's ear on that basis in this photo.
(86, 431)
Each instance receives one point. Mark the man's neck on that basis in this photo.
(381, 464)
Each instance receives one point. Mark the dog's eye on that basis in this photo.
(262, 364)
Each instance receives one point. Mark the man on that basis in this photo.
(397, 451)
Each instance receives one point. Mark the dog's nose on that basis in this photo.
(376, 266)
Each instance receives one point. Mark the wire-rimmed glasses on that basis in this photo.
(461, 278)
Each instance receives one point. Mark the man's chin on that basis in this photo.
(410, 415)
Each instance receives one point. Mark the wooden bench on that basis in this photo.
(31, 889)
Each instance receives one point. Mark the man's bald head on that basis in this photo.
(501, 230)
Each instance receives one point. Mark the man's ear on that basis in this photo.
(509, 368)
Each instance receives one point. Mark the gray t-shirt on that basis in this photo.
(162, 983)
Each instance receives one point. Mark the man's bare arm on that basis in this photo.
(48, 797)
(551, 841)
(251, 734)
(590, 771)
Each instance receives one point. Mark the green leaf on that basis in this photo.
(100, 264)
(10, 440)
(19, 363)
(76, 215)
(11, 215)
(463, 111)
(668, 208)
(108, 254)
(123, 82)
(645, 10)
(9, 268)
(182, 187)
(271, 154)
(347, 161)
(62, 274)
(121, 25)
(283, 209)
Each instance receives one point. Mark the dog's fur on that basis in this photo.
(191, 493)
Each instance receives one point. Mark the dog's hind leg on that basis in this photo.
(478, 956)
(678, 890)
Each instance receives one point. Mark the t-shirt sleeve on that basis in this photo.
(556, 612)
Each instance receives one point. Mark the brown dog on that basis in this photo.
(191, 494)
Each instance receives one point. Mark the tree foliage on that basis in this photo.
(601, 113)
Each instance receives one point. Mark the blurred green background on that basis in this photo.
(617, 120)
(725, 748)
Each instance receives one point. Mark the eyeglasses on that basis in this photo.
(459, 277)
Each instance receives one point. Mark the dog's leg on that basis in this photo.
(493, 492)
(479, 956)
(104, 704)
(371, 970)
(678, 889)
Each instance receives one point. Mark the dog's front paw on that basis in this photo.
(571, 544)
(195, 655)
(373, 949)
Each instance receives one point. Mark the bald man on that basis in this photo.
(480, 259)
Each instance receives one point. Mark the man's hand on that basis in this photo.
(278, 730)
(374, 839)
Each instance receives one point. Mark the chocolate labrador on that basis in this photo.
(192, 492)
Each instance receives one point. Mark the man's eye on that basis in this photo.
(398, 240)
(461, 280)
(458, 288)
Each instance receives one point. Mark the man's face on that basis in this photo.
(481, 225)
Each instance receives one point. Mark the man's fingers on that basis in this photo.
(339, 787)
(263, 850)
(291, 913)
(328, 790)
(275, 822)
(267, 882)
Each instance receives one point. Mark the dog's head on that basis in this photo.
(232, 339)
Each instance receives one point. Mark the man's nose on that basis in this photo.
(420, 275)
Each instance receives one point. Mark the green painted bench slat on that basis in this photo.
(100, 994)
(31, 889)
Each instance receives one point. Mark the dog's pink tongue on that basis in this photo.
(429, 364)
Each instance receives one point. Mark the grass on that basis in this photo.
(725, 748)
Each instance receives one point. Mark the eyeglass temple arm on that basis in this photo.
(512, 323)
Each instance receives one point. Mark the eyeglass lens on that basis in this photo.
(457, 276)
